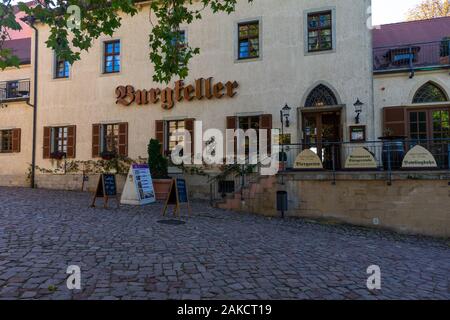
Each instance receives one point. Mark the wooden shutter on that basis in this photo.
(123, 139)
(96, 143)
(394, 119)
(71, 141)
(159, 133)
(189, 126)
(266, 123)
(232, 124)
(16, 140)
(47, 142)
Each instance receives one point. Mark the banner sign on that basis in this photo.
(138, 188)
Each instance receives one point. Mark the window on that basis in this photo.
(110, 139)
(320, 32)
(62, 68)
(430, 93)
(112, 57)
(418, 125)
(59, 142)
(175, 139)
(10, 141)
(248, 40)
(6, 138)
(165, 134)
(110, 135)
(59, 137)
(321, 96)
(181, 39)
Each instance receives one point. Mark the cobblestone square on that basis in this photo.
(126, 254)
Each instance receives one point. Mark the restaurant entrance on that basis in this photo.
(321, 130)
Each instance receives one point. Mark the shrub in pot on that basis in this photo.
(158, 165)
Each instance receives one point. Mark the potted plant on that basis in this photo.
(108, 155)
(58, 155)
(445, 51)
(159, 169)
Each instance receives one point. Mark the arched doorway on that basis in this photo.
(429, 123)
(321, 125)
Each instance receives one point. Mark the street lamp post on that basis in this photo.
(284, 118)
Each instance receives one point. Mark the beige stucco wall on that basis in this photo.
(17, 115)
(397, 89)
(284, 74)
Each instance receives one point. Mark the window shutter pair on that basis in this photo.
(394, 121)
(16, 135)
(71, 142)
(97, 143)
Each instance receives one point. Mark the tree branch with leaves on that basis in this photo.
(430, 9)
(168, 55)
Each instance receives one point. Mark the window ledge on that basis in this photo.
(315, 53)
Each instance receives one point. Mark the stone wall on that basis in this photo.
(415, 203)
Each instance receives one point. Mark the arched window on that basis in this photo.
(430, 92)
(321, 96)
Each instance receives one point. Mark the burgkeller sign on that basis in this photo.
(201, 89)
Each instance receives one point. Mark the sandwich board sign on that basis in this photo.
(138, 189)
(106, 188)
(178, 195)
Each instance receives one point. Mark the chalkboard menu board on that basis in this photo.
(182, 191)
(106, 188)
(178, 194)
(109, 182)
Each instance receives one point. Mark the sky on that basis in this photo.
(390, 11)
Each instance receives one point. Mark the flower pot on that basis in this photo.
(444, 60)
(58, 155)
(162, 188)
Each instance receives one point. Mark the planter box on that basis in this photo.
(162, 187)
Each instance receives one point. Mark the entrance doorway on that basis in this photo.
(321, 132)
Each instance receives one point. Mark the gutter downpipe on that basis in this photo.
(31, 21)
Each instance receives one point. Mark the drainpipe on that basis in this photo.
(31, 21)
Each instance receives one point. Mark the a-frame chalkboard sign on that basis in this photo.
(106, 188)
(178, 195)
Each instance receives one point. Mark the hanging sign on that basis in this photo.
(178, 195)
(106, 188)
(308, 160)
(360, 158)
(138, 189)
(419, 157)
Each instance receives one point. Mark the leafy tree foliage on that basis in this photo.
(169, 56)
(429, 9)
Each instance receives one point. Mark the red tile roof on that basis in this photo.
(405, 33)
(21, 48)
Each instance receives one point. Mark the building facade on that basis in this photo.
(307, 54)
(16, 114)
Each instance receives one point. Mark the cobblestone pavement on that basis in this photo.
(126, 254)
